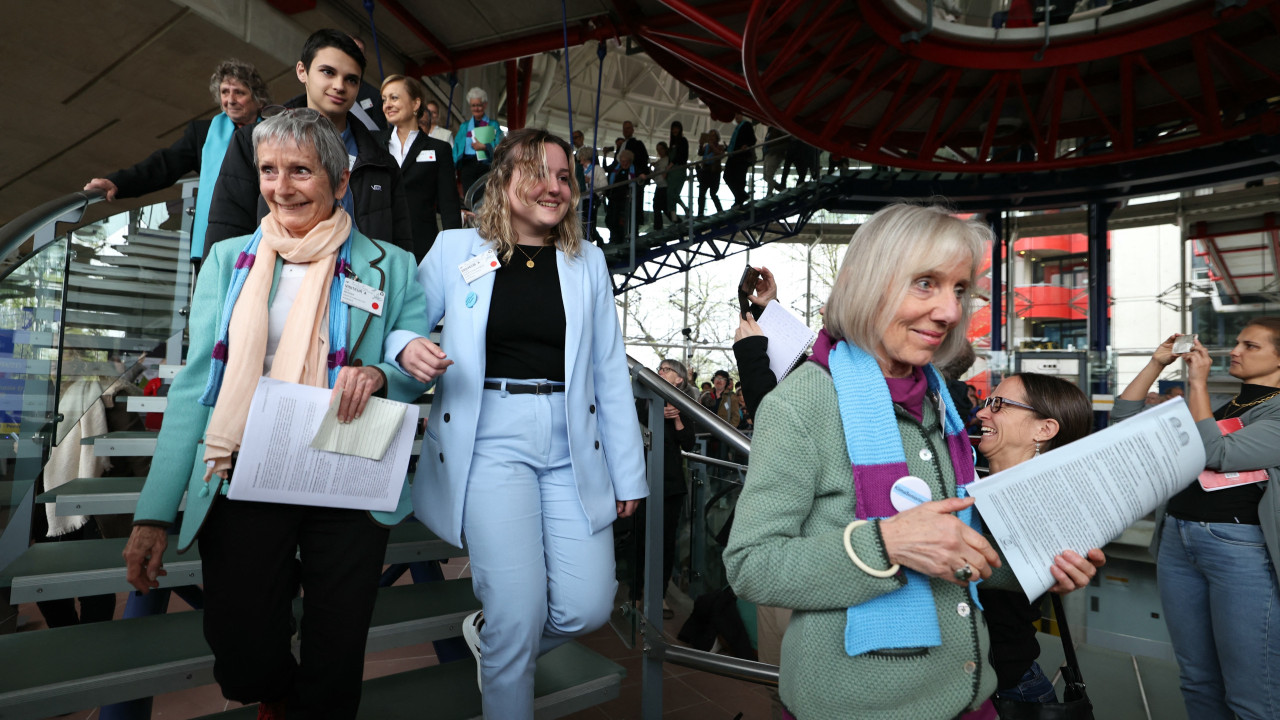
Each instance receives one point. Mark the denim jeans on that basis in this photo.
(1034, 686)
(1218, 588)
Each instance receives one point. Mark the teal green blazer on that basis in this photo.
(178, 465)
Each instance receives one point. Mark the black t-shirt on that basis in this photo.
(525, 336)
(1233, 505)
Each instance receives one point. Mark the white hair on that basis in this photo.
(477, 93)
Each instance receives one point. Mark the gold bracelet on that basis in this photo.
(848, 548)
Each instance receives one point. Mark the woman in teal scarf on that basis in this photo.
(854, 512)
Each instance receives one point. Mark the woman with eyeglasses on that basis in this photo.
(854, 511)
(532, 450)
(272, 304)
(1028, 414)
(1218, 551)
(677, 438)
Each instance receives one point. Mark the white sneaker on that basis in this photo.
(471, 626)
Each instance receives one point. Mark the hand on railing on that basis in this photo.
(104, 185)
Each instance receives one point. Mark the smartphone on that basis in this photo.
(747, 288)
(1184, 343)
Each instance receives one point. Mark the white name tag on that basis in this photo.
(351, 163)
(362, 297)
(366, 103)
(427, 156)
(478, 266)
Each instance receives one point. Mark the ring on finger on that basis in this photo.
(963, 574)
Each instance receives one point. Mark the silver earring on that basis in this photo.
(1037, 449)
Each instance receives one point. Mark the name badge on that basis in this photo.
(427, 156)
(366, 103)
(478, 266)
(351, 163)
(362, 297)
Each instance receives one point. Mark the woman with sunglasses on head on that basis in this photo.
(855, 512)
(1027, 415)
(533, 449)
(1217, 552)
(271, 305)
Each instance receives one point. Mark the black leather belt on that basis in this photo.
(514, 389)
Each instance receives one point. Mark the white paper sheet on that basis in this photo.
(788, 337)
(277, 463)
(1084, 495)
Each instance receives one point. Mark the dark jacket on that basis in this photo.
(381, 210)
(429, 187)
(163, 167)
(678, 151)
(745, 138)
(369, 98)
(641, 160)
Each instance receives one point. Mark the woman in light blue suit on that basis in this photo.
(532, 448)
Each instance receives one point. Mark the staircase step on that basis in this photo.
(163, 653)
(568, 679)
(48, 571)
(95, 496)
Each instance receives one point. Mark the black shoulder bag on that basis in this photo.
(1075, 703)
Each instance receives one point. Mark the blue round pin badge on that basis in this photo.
(471, 299)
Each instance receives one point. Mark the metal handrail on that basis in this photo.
(68, 208)
(692, 409)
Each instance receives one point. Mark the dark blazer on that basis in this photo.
(429, 188)
(163, 167)
(381, 210)
(637, 148)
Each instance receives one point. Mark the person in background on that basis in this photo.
(1217, 553)
(429, 123)
(533, 449)
(885, 624)
(624, 199)
(710, 151)
(678, 151)
(677, 437)
(661, 166)
(329, 69)
(592, 191)
(368, 105)
(740, 159)
(255, 556)
(472, 157)
(241, 93)
(426, 164)
(952, 371)
(721, 400)
(1028, 414)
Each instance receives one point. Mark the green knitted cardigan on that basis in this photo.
(786, 551)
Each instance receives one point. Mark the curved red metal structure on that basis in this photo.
(851, 78)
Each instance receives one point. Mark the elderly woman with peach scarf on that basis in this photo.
(272, 305)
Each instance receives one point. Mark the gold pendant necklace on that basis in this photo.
(529, 258)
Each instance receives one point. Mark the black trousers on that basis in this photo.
(250, 552)
(735, 176)
(469, 171)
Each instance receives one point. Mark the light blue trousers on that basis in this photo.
(542, 576)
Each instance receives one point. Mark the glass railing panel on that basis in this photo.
(31, 305)
(128, 285)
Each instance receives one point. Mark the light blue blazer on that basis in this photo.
(605, 445)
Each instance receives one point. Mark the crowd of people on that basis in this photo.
(533, 446)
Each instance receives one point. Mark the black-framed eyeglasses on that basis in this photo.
(995, 403)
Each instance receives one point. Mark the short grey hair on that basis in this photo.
(304, 127)
(587, 154)
(678, 368)
(478, 93)
(630, 156)
(243, 72)
(899, 243)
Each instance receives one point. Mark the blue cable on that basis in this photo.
(368, 6)
(453, 84)
(568, 86)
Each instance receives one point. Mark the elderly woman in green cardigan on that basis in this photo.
(273, 304)
(854, 512)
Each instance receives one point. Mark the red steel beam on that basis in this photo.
(705, 21)
(407, 19)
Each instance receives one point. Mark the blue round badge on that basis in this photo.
(471, 299)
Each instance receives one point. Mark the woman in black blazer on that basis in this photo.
(426, 164)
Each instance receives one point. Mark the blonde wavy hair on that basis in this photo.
(525, 150)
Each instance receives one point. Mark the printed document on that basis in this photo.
(788, 337)
(277, 463)
(368, 436)
(1085, 494)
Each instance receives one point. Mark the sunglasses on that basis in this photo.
(995, 403)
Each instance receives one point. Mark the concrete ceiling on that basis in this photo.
(103, 84)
